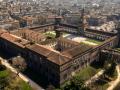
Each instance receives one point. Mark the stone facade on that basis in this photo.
(29, 35)
(45, 58)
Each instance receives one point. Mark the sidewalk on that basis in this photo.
(23, 77)
(95, 77)
(116, 82)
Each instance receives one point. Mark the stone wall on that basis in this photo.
(81, 61)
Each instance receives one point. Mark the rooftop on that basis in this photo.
(70, 48)
(76, 50)
(14, 39)
(57, 57)
(2, 31)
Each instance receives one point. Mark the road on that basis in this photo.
(23, 77)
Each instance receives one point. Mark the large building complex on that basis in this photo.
(57, 40)
(59, 58)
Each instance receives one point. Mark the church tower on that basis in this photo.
(57, 23)
(83, 23)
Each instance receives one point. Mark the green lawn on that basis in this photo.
(25, 86)
(102, 82)
(16, 82)
(50, 34)
(94, 41)
(4, 73)
(65, 34)
(117, 49)
(84, 74)
(87, 72)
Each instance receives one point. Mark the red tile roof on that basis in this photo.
(51, 55)
(76, 50)
(39, 49)
(2, 31)
(14, 39)
(57, 57)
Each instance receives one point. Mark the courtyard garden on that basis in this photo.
(50, 34)
(81, 39)
(97, 42)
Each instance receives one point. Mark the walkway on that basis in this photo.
(95, 77)
(23, 77)
(116, 82)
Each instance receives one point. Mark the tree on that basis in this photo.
(76, 84)
(20, 63)
(110, 70)
(3, 83)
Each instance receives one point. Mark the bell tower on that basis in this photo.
(83, 23)
(57, 24)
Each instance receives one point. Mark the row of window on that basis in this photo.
(82, 59)
(99, 37)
